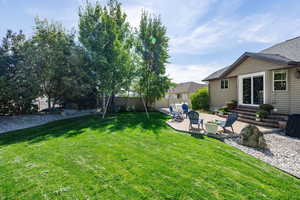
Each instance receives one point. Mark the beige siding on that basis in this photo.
(219, 96)
(287, 102)
(294, 92)
(253, 65)
(268, 87)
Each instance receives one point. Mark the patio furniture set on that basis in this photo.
(194, 118)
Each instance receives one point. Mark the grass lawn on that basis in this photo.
(129, 157)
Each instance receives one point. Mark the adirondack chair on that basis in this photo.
(232, 117)
(185, 109)
(195, 119)
(177, 116)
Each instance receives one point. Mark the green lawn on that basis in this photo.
(129, 157)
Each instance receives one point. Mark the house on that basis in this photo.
(182, 91)
(271, 76)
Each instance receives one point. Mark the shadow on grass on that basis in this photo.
(76, 126)
(197, 135)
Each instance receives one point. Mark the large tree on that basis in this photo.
(51, 51)
(18, 88)
(106, 35)
(152, 46)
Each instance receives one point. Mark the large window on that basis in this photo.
(280, 81)
(224, 84)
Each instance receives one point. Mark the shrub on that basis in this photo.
(231, 104)
(224, 110)
(262, 113)
(266, 107)
(200, 99)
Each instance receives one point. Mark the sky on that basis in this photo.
(205, 35)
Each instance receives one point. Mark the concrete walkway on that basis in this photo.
(12, 123)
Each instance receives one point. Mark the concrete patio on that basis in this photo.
(237, 126)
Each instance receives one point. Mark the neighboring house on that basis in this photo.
(182, 91)
(179, 94)
(271, 76)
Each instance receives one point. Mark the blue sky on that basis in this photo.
(205, 35)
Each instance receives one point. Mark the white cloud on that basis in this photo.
(185, 73)
(134, 14)
(221, 33)
(177, 15)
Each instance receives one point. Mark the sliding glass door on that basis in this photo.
(251, 90)
(258, 90)
(247, 90)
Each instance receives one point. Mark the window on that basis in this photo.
(224, 84)
(280, 81)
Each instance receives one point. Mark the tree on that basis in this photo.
(51, 50)
(18, 88)
(106, 35)
(79, 85)
(152, 46)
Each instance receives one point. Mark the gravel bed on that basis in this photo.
(283, 152)
(11, 123)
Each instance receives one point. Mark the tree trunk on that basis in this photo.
(103, 102)
(145, 108)
(49, 103)
(97, 101)
(106, 106)
(113, 109)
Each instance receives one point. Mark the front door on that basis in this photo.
(252, 89)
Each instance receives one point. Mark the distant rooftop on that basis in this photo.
(187, 87)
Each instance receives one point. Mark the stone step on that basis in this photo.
(243, 112)
(248, 109)
(270, 120)
(271, 117)
(250, 121)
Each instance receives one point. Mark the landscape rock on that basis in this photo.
(252, 137)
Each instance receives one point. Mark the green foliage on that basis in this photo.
(266, 107)
(18, 85)
(224, 110)
(262, 113)
(108, 40)
(200, 99)
(51, 49)
(91, 158)
(109, 59)
(152, 48)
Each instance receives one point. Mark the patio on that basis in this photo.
(237, 126)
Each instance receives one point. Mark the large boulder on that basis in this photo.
(252, 137)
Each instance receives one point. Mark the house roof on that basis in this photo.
(289, 49)
(187, 87)
(217, 74)
(286, 53)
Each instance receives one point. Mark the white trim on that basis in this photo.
(286, 79)
(240, 92)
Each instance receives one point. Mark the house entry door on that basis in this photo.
(252, 89)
